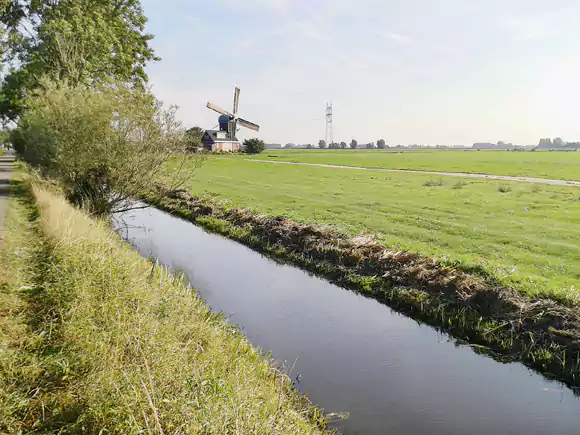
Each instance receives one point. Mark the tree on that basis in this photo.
(193, 139)
(343, 145)
(77, 42)
(104, 146)
(309, 146)
(381, 144)
(322, 144)
(254, 146)
(334, 146)
(353, 144)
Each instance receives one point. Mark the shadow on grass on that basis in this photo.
(52, 407)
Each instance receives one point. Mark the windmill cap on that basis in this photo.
(224, 118)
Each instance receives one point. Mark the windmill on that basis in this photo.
(228, 123)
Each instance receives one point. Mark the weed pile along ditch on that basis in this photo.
(96, 339)
(542, 333)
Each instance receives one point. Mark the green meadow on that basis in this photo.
(519, 233)
(542, 164)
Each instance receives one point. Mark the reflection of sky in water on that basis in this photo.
(352, 353)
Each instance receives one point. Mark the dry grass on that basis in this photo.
(127, 348)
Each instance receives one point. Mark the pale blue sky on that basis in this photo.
(411, 71)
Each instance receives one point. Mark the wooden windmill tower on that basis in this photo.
(224, 139)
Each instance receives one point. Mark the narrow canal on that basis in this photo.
(353, 354)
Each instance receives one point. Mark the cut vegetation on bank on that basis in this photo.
(97, 340)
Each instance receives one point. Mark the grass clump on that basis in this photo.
(434, 183)
(504, 188)
(123, 346)
(459, 185)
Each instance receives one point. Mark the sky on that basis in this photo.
(432, 72)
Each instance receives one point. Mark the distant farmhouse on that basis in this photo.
(273, 146)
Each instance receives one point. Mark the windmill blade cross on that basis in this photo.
(249, 124)
(236, 100)
(218, 110)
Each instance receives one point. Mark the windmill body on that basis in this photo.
(224, 140)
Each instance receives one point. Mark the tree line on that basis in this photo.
(381, 144)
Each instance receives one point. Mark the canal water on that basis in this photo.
(353, 354)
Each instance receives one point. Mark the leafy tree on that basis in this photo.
(80, 42)
(105, 147)
(254, 146)
(322, 144)
(381, 144)
(343, 145)
(309, 146)
(334, 146)
(353, 144)
(193, 139)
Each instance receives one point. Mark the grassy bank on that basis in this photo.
(541, 164)
(522, 234)
(97, 340)
(540, 332)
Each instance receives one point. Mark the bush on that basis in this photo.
(104, 146)
(504, 188)
(254, 146)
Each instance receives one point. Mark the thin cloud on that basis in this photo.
(397, 37)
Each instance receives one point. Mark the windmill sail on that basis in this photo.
(248, 124)
(236, 100)
(218, 110)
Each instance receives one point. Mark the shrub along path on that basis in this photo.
(6, 163)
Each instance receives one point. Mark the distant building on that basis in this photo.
(217, 141)
(273, 146)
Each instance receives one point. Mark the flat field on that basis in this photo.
(562, 165)
(523, 234)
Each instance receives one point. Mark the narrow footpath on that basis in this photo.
(443, 174)
(6, 166)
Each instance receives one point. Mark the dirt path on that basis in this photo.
(444, 174)
(6, 163)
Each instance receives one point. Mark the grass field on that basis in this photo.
(541, 164)
(523, 234)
